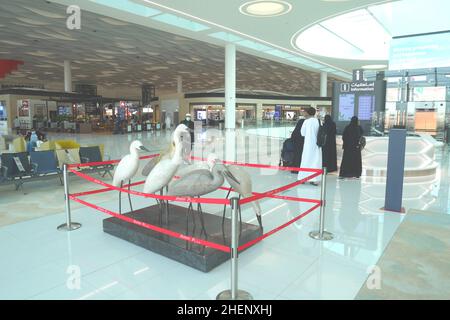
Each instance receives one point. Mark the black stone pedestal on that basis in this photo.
(194, 255)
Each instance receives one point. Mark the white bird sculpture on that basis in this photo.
(241, 182)
(127, 168)
(198, 182)
(167, 154)
(164, 170)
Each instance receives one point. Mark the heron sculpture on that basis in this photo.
(198, 182)
(241, 182)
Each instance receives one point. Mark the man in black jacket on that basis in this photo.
(190, 124)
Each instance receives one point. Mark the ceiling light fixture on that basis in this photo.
(265, 8)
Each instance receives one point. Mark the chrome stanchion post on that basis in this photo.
(321, 234)
(69, 225)
(234, 293)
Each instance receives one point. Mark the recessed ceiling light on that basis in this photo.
(265, 8)
(374, 66)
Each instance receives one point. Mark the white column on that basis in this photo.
(179, 84)
(230, 86)
(323, 84)
(67, 76)
(259, 112)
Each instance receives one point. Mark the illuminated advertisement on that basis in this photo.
(422, 51)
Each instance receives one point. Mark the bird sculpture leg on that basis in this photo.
(225, 206)
(161, 204)
(200, 211)
(129, 195)
(187, 223)
(120, 197)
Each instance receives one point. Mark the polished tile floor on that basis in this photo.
(39, 262)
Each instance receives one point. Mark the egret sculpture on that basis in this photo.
(127, 168)
(198, 182)
(241, 182)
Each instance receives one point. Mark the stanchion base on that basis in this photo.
(326, 236)
(71, 227)
(241, 295)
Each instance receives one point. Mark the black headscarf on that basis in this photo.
(354, 121)
(327, 119)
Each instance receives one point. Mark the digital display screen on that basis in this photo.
(346, 106)
(429, 93)
(64, 111)
(423, 51)
(201, 115)
(366, 107)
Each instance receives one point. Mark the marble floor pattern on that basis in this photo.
(40, 263)
(422, 271)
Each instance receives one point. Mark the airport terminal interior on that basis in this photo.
(145, 150)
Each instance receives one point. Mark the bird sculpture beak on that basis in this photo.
(144, 148)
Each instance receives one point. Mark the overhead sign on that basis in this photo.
(365, 86)
(358, 75)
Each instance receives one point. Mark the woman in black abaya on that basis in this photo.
(298, 140)
(351, 166)
(329, 149)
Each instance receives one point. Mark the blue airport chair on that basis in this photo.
(16, 167)
(93, 154)
(45, 163)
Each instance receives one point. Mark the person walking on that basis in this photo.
(329, 157)
(298, 141)
(351, 166)
(312, 153)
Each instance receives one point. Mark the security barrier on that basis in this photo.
(235, 204)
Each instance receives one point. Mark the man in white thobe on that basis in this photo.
(312, 154)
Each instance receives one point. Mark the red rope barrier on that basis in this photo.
(188, 199)
(264, 166)
(153, 227)
(181, 236)
(256, 196)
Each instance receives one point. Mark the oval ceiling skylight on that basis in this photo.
(265, 8)
(356, 35)
(366, 34)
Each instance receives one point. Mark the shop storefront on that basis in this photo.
(252, 109)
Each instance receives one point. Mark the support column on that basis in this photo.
(259, 113)
(67, 76)
(230, 86)
(179, 84)
(323, 84)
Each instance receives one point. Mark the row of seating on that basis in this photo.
(20, 167)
